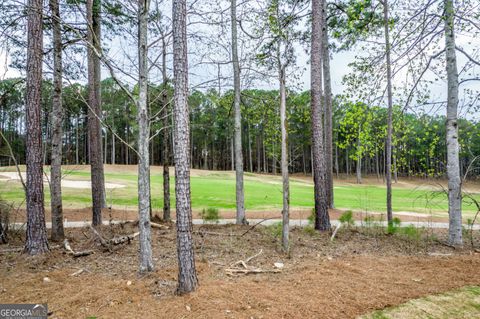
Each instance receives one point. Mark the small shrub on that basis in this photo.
(347, 218)
(394, 226)
(311, 218)
(369, 221)
(275, 229)
(210, 215)
(310, 230)
(411, 232)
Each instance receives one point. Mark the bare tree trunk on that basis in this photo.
(328, 107)
(359, 159)
(336, 160)
(347, 162)
(240, 194)
(284, 160)
(258, 142)
(250, 163)
(453, 165)
(322, 219)
(232, 154)
(94, 100)
(390, 113)
(166, 136)
(77, 142)
(146, 262)
(187, 275)
(57, 122)
(36, 241)
(113, 147)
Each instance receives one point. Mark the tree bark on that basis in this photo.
(166, 136)
(94, 112)
(146, 261)
(453, 164)
(187, 276)
(388, 168)
(328, 107)
(240, 194)
(36, 234)
(284, 160)
(322, 219)
(57, 123)
(359, 158)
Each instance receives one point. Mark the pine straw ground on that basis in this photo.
(360, 271)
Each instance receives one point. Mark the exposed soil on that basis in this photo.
(361, 270)
(85, 214)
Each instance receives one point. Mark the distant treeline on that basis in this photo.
(359, 131)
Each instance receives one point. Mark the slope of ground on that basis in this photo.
(360, 271)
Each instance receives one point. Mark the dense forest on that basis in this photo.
(359, 132)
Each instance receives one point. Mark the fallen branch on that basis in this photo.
(122, 239)
(201, 232)
(244, 263)
(263, 220)
(78, 272)
(232, 271)
(335, 231)
(159, 226)
(102, 240)
(70, 251)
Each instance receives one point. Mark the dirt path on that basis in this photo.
(85, 214)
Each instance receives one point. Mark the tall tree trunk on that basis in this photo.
(146, 262)
(166, 136)
(240, 194)
(77, 141)
(57, 122)
(390, 113)
(250, 162)
(322, 219)
(359, 159)
(232, 154)
(36, 241)
(328, 107)
(187, 275)
(94, 111)
(284, 160)
(258, 142)
(453, 165)
(113, 147)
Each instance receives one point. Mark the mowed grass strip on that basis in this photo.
(262, 192)
(462, 303)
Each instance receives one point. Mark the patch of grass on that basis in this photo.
(210, 215)
(461, 303)
(262, 192)
(275, 229)
(394, 226)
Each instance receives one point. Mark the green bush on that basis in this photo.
(347, 218)
(411, 232)
(210, 215)
(394, 226)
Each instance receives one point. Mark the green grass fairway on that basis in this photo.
(262, 192)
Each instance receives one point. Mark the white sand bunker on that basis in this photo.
(6, 176)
